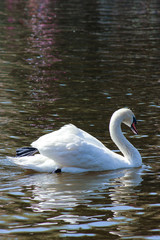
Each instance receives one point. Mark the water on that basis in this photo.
(77, 62)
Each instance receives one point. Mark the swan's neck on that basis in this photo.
(129, 152)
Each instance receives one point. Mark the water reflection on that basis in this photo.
(79, 203)
(30, 77)
(43, 52)
(69, 202)
(74, 194)
(67, 191)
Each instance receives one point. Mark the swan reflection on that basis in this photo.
(67, 191)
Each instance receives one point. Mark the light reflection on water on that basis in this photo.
(78, 61)
(70, 202)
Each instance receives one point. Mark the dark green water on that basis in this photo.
(77, 62)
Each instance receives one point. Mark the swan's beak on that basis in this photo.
(133, 126)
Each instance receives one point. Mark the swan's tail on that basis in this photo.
(26, 151)
(26, 159)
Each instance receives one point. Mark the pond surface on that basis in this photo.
(77, 62)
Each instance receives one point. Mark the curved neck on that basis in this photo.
(130, 153)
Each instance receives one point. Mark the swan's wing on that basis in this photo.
(68, 134)
(72, 147)
(90, 139)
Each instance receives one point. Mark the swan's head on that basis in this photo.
(126, 116)
(130, 120)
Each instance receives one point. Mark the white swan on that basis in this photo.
(71, 149)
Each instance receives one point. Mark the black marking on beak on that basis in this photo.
(133, 126)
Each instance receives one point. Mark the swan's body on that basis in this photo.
(74, 150)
